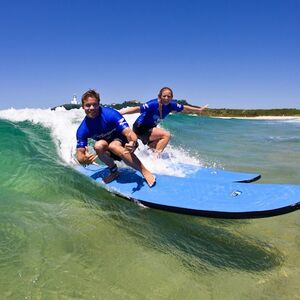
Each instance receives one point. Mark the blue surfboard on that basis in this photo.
(203, 173)
(205, 192)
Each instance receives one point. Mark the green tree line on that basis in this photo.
(213, 112)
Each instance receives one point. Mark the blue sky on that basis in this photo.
(233, 54)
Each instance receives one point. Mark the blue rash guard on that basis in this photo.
(150, 115)
(108, 126)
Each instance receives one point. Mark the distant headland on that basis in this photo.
(210, 112)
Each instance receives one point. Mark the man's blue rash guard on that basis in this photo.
(108, 125)
(150, 115)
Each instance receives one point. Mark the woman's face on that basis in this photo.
(166, 97)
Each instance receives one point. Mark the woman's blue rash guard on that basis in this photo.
(150, 115)
(108, 125)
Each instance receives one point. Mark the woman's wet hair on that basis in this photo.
(163, 89)
(92, 94)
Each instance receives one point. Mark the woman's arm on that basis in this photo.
(130, 110)
(193, 109)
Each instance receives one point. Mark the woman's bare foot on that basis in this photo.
(111, 177)
(155, 155)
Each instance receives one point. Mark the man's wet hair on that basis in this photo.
(92, 94)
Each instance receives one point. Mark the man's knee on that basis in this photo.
(101, 146)
(115, 147)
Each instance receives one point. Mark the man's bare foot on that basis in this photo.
(150, 179)
(111, 177)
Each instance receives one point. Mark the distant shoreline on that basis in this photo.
(253, 113)
(261, 117)
(279, 113)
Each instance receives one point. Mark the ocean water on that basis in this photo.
(64, 237)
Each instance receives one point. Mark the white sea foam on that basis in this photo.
(64, 123)
(171, 160)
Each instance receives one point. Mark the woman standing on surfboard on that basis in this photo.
(151, 113)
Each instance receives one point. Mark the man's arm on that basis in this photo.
(132, 140)
(130, 110)
(84, 157)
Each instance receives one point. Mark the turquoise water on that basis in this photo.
(63, 237)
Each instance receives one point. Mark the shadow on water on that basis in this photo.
(200, 243)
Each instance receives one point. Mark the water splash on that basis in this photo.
(64, 123)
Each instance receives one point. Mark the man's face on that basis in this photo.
(91, 107)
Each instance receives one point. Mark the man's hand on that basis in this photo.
(131, 146)
(84, 157)
(90, 158)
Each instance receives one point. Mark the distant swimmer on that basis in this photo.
(114, 138)
(151, 113)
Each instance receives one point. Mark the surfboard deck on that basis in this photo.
(203, 173)
(210, 193)
(200, 173)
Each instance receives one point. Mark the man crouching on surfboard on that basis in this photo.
(114, 138)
